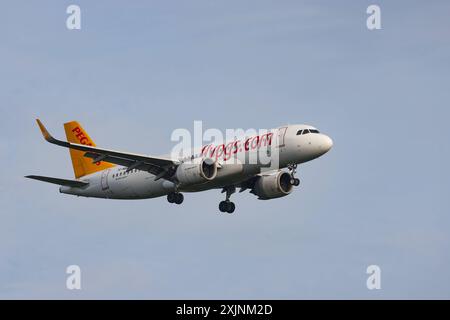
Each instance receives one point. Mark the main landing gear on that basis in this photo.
(227, 205)
(293, 170)
(175, 198)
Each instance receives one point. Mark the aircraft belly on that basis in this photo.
(229, 176)
(140, 186)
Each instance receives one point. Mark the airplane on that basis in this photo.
(110, 174)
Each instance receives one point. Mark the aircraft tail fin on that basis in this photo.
(82, 165)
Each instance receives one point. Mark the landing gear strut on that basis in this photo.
(227, 205)
(175, 198)
(293, 170)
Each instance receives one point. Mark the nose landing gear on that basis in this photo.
(227, 205)
(293, 170)
(175, 198)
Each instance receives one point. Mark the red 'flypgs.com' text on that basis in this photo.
(225, 151)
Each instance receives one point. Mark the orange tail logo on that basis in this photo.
(81, 165)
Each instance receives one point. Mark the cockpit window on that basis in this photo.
(306, 131)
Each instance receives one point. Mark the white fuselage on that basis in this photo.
(118, 183)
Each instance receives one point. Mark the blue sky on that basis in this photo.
(137, 71)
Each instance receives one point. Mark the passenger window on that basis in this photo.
(299, 132)
(306, 131)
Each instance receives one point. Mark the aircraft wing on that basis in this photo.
(161, 167)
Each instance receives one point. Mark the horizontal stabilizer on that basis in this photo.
(61, 182)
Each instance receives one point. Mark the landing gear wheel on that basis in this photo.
(227, 206)
(230, 207)
(296, 182)
(175, 198)
(223, 206)
(171, 197)
(179, 198)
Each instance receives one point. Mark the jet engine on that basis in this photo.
(273, 186)
(193, 173)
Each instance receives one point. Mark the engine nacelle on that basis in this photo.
(196, 172)
(273, 186)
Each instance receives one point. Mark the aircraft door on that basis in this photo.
(281, 134)
(104, 180)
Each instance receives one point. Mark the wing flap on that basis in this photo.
(131, 164)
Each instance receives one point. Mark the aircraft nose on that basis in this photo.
(326, 144)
